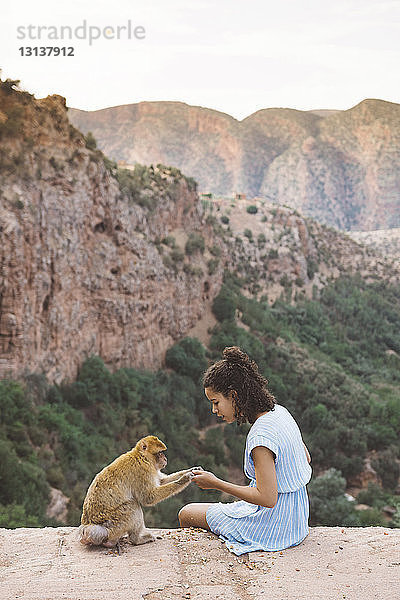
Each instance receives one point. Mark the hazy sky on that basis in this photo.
(231, 55)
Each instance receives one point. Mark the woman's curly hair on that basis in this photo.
(236, 371)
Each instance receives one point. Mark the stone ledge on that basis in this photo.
(333, 563)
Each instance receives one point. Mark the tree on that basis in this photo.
(14, 515)
(328, 505)
(90, 141)
(187, 357)
(224, 305)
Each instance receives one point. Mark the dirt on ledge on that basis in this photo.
(333, 563)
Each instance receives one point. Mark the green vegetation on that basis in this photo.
(90, 141)
(261, 240)
(252, 209)
(148, 186)
(136, 184)
(333, 363)
(63, 435)
(195, 243)
(212, 265)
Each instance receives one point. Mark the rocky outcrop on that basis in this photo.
(58, 505)
(340, 167)
(82, 266)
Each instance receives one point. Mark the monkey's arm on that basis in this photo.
(175, 476)
(156, 494)
(172, 477)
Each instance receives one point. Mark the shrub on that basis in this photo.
(252, 209)
(187, 357)
(224, 305)
(249, 234)
(387, 467)
(212, 265)
(169, 241)
(191, 183)
(194, 243)
(14, 515)
(312, 267)
(177, 255)
(224, 220)
(215, 251)
(261, 240)
(328, 505)
(193, 270)
(90, 141)
(110, 165)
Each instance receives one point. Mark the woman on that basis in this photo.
(272, 513)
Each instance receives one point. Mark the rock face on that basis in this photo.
(58, 505)
(93, 261)
(385, 241)
(340, 167)
(81, 270)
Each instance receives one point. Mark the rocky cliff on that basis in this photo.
(81, 268)
(340, 167)
(98, 260)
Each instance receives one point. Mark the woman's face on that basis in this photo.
(221, 405)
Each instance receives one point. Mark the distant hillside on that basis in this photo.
(340, 167)
(383, 241)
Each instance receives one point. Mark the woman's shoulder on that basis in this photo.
(271, 421)
(266, 422)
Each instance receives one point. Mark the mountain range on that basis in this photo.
(340, 167)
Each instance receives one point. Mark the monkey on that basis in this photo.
(114, 500)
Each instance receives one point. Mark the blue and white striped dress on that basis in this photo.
(247, 527)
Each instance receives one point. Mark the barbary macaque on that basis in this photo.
(114, 500)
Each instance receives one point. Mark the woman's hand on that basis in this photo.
(205, 480)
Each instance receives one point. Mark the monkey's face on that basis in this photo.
(161, 460)
(154, 449)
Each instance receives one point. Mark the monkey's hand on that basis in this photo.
(196, 470)
(186, 478)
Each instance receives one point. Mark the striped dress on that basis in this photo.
(247, 527)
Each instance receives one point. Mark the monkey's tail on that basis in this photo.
(92, 534)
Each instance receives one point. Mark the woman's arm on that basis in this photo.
(307, 453)
(265, 494)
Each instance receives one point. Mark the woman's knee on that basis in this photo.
(184, 515)
(193, 515)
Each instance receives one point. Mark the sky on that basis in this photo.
(234, 56)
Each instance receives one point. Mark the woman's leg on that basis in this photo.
(194, 515)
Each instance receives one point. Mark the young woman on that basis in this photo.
(273, 510)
